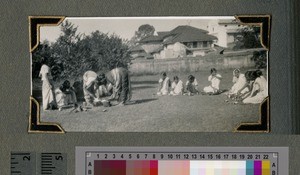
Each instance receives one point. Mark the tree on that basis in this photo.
(65, 53)
(73, 53)
(106, 52)
(250, 38)
(143, 31)
(260, 59)
(43, 50)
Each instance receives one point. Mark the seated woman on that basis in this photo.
(176, 87)
(192, 85)
(65, 95)
(259, 90)
(214, 80)
(239, 81)
(163, 84)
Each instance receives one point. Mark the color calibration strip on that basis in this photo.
(180, 167)
(191, 163)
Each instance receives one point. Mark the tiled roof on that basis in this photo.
(189, 34)
(182, 33)
(136, 48)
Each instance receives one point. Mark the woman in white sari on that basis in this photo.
(259, 90)
(239, 81)
(164, 84)
(47, 87)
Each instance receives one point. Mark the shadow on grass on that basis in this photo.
(142, 87)
(142, 101)
(144, 82)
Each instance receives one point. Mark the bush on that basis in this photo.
(260, 59)
(72, 54)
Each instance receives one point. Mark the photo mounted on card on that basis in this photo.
(149, 74)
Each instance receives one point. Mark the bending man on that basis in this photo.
(120, 80)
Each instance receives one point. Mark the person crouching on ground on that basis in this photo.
(214, 80)
(163, 84)
(176, 87)
(120, 81)
(105, 88)
(192, 85)
(65, 95)
(91, 88)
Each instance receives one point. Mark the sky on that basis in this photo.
(125, 27)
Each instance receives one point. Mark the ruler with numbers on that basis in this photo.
(187, 161)
(31, 163)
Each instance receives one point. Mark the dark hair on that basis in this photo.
(44, 60)
(213, 70)
(191, 78)
(251, 75)
(101, 79)
(176, 78)
(65, 85)
(164, 74)
(258, 73)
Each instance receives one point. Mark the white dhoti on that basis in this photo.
(47, 93)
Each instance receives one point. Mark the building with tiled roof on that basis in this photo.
(182, 41)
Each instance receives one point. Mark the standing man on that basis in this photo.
(49, 102)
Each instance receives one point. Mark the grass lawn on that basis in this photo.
(200, 113)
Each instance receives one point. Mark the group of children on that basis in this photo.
(191, 86)
(251, 87)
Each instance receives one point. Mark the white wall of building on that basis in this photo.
(223, 32)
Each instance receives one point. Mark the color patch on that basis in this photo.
(176, 167)
(266, 165)
(257, 167)
(110, 167)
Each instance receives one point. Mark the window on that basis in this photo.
(189, 45)
(194, 44)
(205, 44)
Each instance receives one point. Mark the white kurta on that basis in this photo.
(63, 99)
(164, 86)
(88, 78)
(239, 83)
(215, 83)
(47, 92)
(177, 88)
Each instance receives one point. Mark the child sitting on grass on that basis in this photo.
(192, 85)
(214, 80)
(176, 87)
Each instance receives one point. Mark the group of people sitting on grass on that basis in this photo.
(114, 85)
(97, 89)
(251, 87)
(177, 87)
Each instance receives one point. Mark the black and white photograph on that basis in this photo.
(150, 74)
